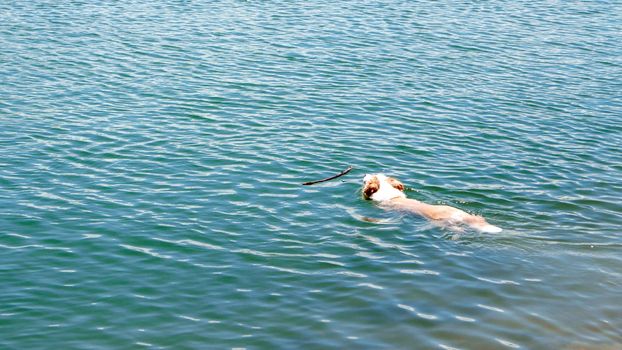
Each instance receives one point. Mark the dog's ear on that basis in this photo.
(396, 184)
(372, 186)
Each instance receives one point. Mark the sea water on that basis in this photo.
(152, 155)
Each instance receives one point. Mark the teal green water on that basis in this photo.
(152, 155)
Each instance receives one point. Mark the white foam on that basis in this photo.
(490, 229)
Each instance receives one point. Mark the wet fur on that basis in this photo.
(389, 192)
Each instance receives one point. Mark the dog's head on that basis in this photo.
(379, 187)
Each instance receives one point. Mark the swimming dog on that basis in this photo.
(389, 192)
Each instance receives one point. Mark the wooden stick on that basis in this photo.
(329, 178)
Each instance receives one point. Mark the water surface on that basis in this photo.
(151, 156)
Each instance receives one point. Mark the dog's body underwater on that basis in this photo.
(389, 192)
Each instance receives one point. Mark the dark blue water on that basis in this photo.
(152, 155)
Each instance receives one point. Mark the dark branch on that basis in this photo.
(329, 178)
